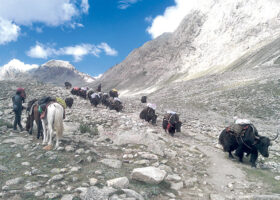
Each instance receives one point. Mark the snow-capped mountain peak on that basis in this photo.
(59, 63)
(14, 67)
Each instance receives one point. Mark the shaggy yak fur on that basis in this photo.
(149, 115)
(171, 123)
(144, 99)
(248, 142)
(115, 105)
(95, 100)
(105, 100)
(67, 85)
(69, 102)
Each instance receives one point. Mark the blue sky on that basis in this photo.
(93, 35)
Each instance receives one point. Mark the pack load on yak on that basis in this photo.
(242, 137)
(75, 90)
(95, 99)
(149, 113)
(114, 93)
(171, 123)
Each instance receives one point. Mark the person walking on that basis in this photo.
(18, 99)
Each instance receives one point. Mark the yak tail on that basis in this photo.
(58, 121)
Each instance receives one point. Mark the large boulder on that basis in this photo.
(151, 175)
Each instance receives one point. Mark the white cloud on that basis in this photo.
(173, 15)
(77, 51)
(16, 13)
(8, 31)
(124, 4)
(40, 51)
(107, 49)
(85, 6)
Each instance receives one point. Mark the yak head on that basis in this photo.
(178, 126)
(263, 143)
(154, 119)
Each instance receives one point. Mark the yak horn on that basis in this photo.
(275, 136)
(257, 137)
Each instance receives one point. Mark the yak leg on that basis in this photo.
(253, 158)
(230, 155)
(239, 153)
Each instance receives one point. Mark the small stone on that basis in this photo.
(177, 186)
(112, 163)
(89, 159)
(118, 183)
(55, 171)
(174, 177)
(80, 151)
(14, 181)
(93, 181)
(18, 155)
(98, 172)
(69, 148)
(52, 195)
(39, 193)
(32, 185)
(277, 178)
(68, 197)
(25, 163)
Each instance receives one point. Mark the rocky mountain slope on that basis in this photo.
(101, 151)
(53, 71)
(213, 38)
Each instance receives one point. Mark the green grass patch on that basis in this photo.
(88, 128)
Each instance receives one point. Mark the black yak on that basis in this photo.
(171, 123)
(105, 100)
(149, 115)
(144, 99)
(67, 85)
(115, 104)
(114, 93)
(75, 91)
(90, 93)
(95, 99)
(245, 140)
(69, 102)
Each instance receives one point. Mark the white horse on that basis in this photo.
(53, 121)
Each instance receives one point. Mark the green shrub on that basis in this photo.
(88, 128)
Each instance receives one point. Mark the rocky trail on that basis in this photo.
(108, 155)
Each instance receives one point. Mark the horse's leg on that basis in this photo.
(44, 132)
(39, 127)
